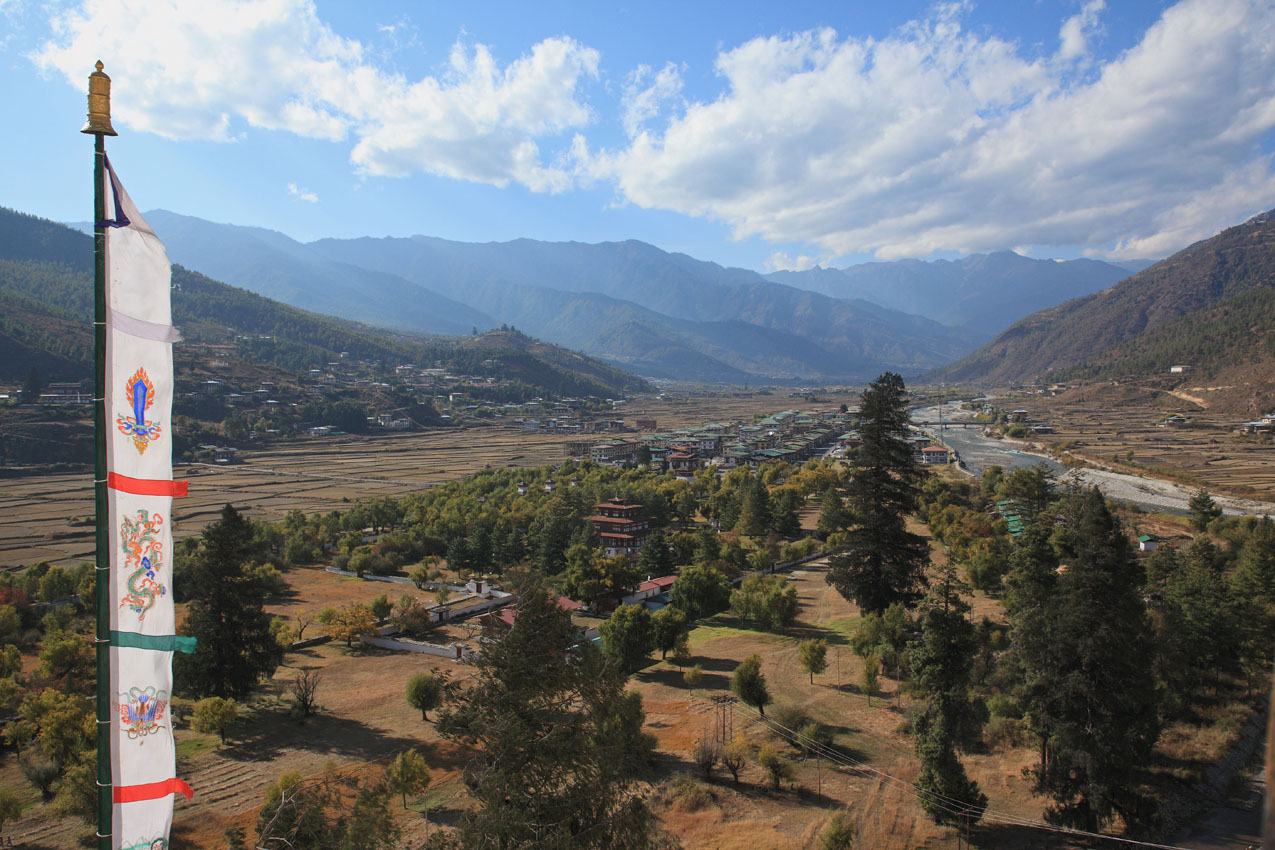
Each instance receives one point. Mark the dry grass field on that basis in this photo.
(364, 720)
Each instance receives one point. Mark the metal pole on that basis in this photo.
(102, 587)
(99, 126)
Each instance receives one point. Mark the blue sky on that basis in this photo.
(762, 135)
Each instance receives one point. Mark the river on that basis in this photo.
(979, 452)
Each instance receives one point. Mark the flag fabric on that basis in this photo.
(139, 399)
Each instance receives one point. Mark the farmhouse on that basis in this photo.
(935, 454)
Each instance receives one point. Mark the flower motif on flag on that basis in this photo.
(140, 394)
(143, 559)
(142, 711)
(158, 843)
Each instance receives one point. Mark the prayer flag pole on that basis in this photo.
(99, 126)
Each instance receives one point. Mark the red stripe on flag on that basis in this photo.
(151, 790)
(145, 486)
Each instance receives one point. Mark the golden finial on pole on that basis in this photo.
(99, 120)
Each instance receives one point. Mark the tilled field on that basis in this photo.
(45, 517)
(1128, 438)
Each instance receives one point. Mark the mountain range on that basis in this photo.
(46, 305)
(1209, 307)
(983, 292)
(659, 314)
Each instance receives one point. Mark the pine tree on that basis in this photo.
(832, 514)
(1203, 510)
(656, 559)
(235, 647)
(1093, 706)
(754, 512)
(882, 562)
(557, 745)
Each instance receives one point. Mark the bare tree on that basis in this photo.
(304, 690)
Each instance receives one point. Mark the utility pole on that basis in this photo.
(725, 716)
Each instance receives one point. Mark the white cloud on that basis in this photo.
(1074, 35)
(303, 194)
(936, 139)
(207, 70)
(642, 101)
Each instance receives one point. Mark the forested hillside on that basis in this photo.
(1207, 275)
(1237, 333)
(47, 286)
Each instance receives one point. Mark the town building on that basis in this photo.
(621, 527)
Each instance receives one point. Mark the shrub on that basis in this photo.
(1004, 705)
(687, 793)
(1005, 733)
(789, 715)
(692, 676)
(775, 765)
(215, 714)
(838, 832)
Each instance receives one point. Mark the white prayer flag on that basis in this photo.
(139, 400)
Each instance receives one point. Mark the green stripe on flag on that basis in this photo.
(159, 643)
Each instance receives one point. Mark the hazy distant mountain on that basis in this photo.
(660, 314)
(984, 292)
(273, 265)
(1209, 306)
(582, 295)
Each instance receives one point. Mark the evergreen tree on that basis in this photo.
(656, 559)
(235, 647)
(556, 745)
(784, 514)
(882, 562)
(707, 549)
(1094, 706)
(1203, 510)
(940, 664)
(549, 536)
(754, 512)
(832, 514)
(1032, 489)
(1253, 587)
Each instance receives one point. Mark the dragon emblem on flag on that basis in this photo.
(143, 559)
(140, 394)
(142, 711)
